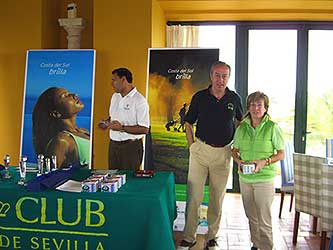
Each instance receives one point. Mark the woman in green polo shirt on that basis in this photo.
(258, 143)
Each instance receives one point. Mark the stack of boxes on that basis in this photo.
(103, 183)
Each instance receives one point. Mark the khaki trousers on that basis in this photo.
(206, 161)
(257, 201)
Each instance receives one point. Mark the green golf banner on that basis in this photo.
(174, 76)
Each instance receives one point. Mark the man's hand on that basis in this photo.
(189, 133)
(104, 124)
(239, 163)
(116, 126)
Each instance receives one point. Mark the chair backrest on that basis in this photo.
(308, 183)
(329, 148)
(287, 165)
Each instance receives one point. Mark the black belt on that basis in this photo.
(214, 145)
(124, 142)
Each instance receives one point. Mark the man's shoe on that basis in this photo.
(212, 245)
(184, 245)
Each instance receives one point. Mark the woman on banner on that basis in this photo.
(54, 128)
(258, 143)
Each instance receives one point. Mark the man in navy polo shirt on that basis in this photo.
(216, 111)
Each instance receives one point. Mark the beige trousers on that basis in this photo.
(206, 161)
(257, 201)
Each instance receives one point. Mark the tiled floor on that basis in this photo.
(234, 233)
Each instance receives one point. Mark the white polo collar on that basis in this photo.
(131, 93)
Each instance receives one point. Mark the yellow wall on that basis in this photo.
(50, 28)
(158, 26)
(122, 36)
(25, 24)
(20, 28)
(121, 31)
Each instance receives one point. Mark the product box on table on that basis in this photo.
(89, 186)
(109, 186)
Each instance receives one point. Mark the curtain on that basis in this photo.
(182, 36)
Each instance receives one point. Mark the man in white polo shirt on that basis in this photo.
(128, 122)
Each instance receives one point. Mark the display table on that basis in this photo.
(138, 217)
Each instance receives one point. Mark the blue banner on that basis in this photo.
(58, 105)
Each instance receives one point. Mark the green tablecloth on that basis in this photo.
(138, 217)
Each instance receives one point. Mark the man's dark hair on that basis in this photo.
(124, 72)
(219, 63)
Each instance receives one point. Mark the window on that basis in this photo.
(272, 70)
(223, 38)
(320, 91)
(291, 63)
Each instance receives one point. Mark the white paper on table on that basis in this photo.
(70, 186)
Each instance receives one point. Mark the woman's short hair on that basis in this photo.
(256, 96)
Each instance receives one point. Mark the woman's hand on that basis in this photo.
(260, 164)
